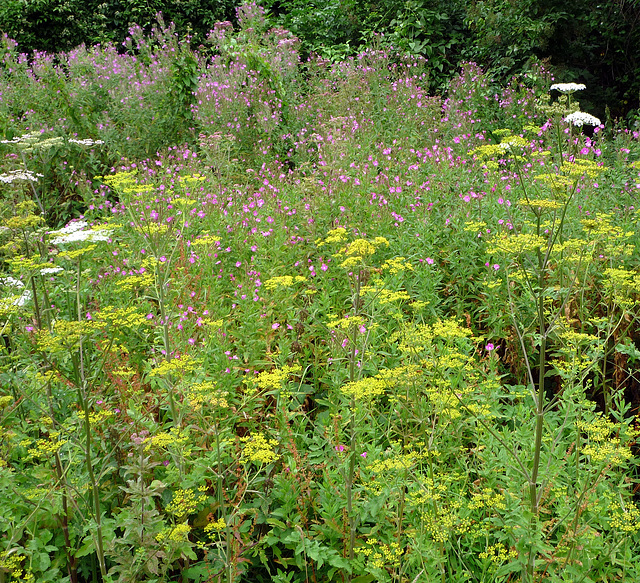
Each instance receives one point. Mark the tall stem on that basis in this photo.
(82, 400)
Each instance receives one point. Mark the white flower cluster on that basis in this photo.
(31, 142)
(12, 175)
(86, 142)
(50, 270)
(30, 138)
(20, 300)
(568, 87)
(580, 118)
(11, 281)
(73, 232)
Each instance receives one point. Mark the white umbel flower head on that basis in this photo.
(580, 118)
(568, 87)
(86, 142)
(10, 282)
(16, 300)
(50, 270)
(74, 232)
(9, 177)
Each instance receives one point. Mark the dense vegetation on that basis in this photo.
(593, 42)
(310, 321)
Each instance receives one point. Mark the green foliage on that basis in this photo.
(357, 332)
(59, 25)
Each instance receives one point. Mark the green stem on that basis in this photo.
(82, 400)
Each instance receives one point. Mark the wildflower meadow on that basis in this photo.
(273, 318)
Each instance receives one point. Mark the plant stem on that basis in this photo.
(82, 400)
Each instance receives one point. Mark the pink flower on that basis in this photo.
(489, 347)
(340, 448)
(275, 326)
(429, 261)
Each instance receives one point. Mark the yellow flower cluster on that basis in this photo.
(23, 264)
(445, 523)
(380, 554)
(192, 178)
(487, 499)
(499, 554)
(78, 253)
(539, 205)
(125, 372)
(46, 447)
(178, 533)
(215, 526)
(611, 452)
(205, 393)
(96, 419)
(516, 244)
(121, 317)
(417, 338)
(626, 518)
(338, 235)
(185, 502)
(397, 265)
(396, 463)
(10, 562)
(358, 250)
(385, 296)
(273, 379)
(23, 220)
(120, 180)
(149, 228)
(258, 449)
(176, 366)
(604, 443)
(66, 335)
(347, 323)
(164, 440)
(132, 282)
(205, 239)
(365, 389)
(283, 281)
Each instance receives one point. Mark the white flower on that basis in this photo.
(568, 87)
(73, 232)
(86, 142)
(50, 270)
(17, 300)
(12, 281)
(24, 138)
(579, 118)
(23, 299)
(72, 227)
(12, 175)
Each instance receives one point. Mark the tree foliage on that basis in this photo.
(597, 43)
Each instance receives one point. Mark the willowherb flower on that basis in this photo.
(568, 87)
(12, 175)
(580, 118)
